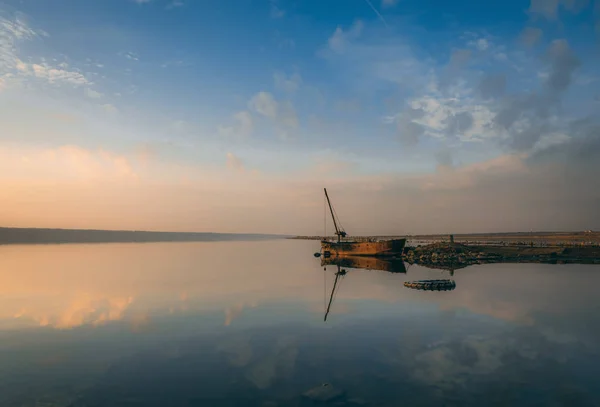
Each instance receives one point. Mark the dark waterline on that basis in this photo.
(241, 323)
(71, 236)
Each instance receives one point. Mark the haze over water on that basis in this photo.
(241, 323)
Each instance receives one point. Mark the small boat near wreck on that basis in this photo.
(343, 247)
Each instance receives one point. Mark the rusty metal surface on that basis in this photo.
(388, 247)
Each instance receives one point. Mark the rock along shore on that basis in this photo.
(456, 255)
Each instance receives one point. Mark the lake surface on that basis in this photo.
(242, 324)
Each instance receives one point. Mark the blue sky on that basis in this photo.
(347, 91)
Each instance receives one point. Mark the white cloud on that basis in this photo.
(265, 104)
(550, 140)
(282, 114)
(288, 84)
(12, 32)
(16, 29)
(131, 56)
(92, 93)
(55, 75)
(243, 125)
(482, 44)
(338, 41)
(454, 114)
(142, 1)
(13, 67)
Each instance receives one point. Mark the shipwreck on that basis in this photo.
(349, 247)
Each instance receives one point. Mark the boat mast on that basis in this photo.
(338, 232)
(337, 275)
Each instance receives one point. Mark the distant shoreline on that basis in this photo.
(56, 236)
(546, 237)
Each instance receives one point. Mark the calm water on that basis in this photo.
(241, 323)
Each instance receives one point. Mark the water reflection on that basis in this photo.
(367, 263)
(241, 324)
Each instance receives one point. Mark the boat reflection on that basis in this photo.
(366, 263)
(358, 262)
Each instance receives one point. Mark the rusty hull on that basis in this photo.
(383, 248)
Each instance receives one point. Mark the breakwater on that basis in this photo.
(457, 255)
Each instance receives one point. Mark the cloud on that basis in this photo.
(92, 93)
(444, 158)
(339, 39)
(56, 75)
(276, 12)
(388, 3)
(460, 57)
(110, 109)
(481, 44)
(287, 115)
(12, 30)
(563, 63)
(546, 8)
(142, 1)
(511, 187)
(458, 116)
(288, 84)
(409, 130)
(367, 62)
(265, 104)
(549, 8)
(131, 56)
(282, 114)
(530, 36)
(492, 86)
(234, 163)
(66, 162)
(83, 309)
(242, 127)
(13, 68)
(174, 4)
(526, 118)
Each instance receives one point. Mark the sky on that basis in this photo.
(421, 116)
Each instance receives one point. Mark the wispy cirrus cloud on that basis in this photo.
(18, 70)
